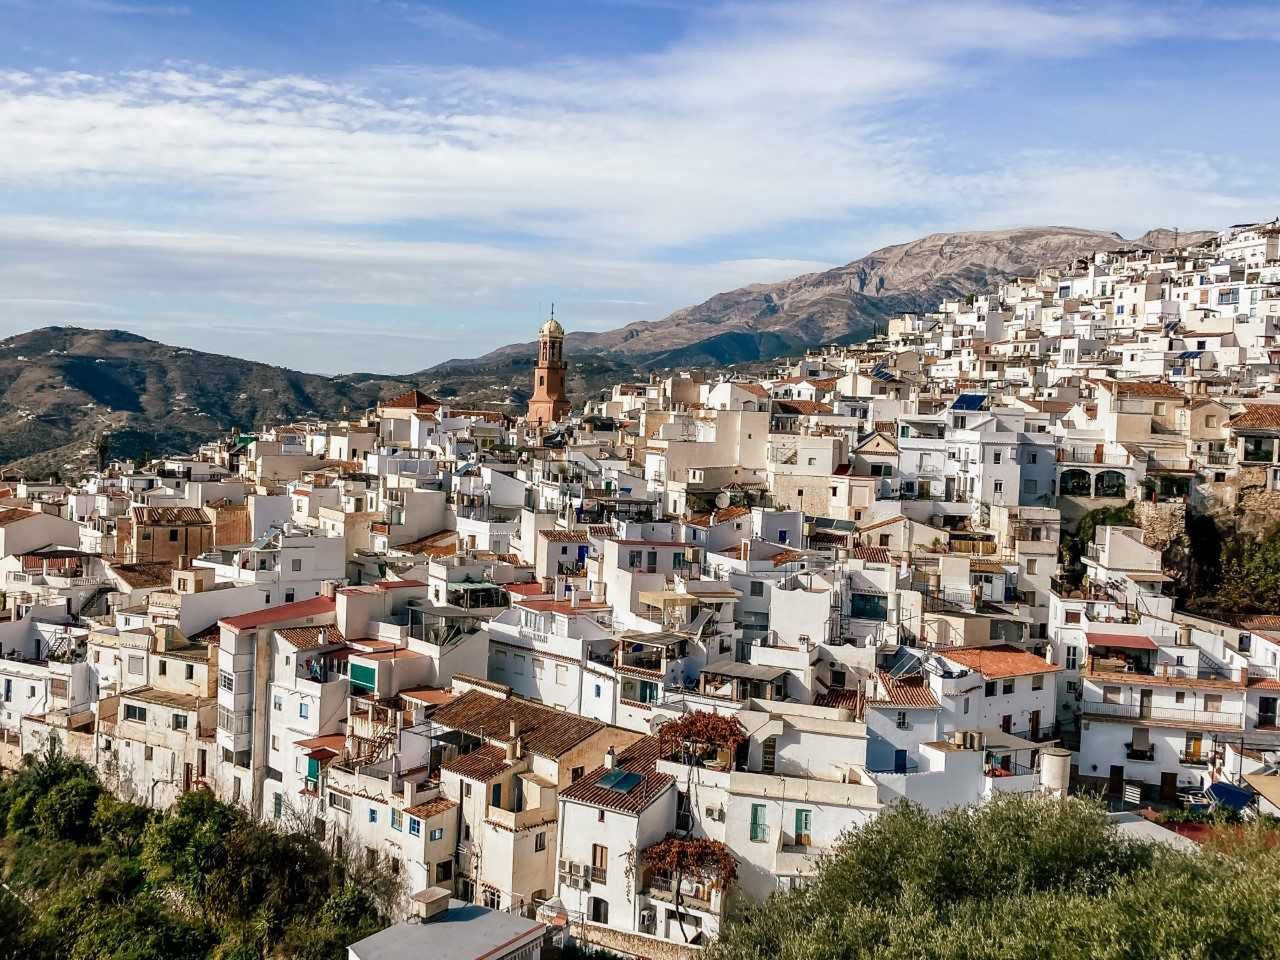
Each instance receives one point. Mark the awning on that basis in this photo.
(664, 598)
(744, 671)
(1121, 641)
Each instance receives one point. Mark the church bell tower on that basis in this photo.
(549, 403)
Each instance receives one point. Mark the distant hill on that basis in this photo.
(60, 385)
(843, 305)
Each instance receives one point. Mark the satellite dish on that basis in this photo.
(722, 499)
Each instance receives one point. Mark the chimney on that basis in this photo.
(329, 589)
(512, 747)
(744, 551)
(184, 562)
(513, 729)
(519, 748)
(609, 759)
(573, 597)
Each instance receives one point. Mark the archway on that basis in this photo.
(1110, 483)
(1075, 483)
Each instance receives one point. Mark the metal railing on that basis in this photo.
(1176, 715)
(1146, 754)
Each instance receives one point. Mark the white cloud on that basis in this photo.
(587, 177)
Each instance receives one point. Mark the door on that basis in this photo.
(768, 754)
(1191, 754)
(1144, 704)
(186, 777)
(1006, 723)
(804, 827)
(1168, 788)
(1035, 725)
(1267, 712)
(1116, 782)
(899, 761)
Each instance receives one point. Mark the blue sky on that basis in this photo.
(383, 184)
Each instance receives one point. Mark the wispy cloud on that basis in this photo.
(602, 179)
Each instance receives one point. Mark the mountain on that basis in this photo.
(844, 304)
(61, 386)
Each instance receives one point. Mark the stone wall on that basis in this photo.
(630, 944)
(1163, 524)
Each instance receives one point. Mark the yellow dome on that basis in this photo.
(552, 328)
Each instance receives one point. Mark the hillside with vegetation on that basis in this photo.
(89, 877)
(1020, 878)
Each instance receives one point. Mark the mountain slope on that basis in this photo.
(59, 386)
(844, 304)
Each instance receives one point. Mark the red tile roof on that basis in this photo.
(564, 536)
(431, 808)
(912, 692)
(314, 607)
(871, 554)
(14, 514)
(171, 516)
(640, 758)
(560, 606)
(544, 731)
(996, 663)
(483, 764)
(1258, 416)
(719, 516)
(409, 400)
(1126, 641)
(308, 638)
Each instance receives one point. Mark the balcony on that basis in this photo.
(1145, 754)
(599, 874)
(1194, 758)
(1167, 716)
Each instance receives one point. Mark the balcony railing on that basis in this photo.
(599, 874)
(1173, 715)
(1145, 754)
(1194, 758)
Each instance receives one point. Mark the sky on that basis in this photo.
(381, 185)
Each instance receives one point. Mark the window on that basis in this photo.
(1212, 703)
(1007, 687)
(162, 667)
(415, 827)
(277, 805)
(966, 704)
(288, 598)
(599, 863)
(148, 752)
(339, 801)
(295, 565)
(902, 719)
(277, 702)
(134, 712)
(757, 588)
(1033, 458)
(397, 819)
(436, 834)
(373, 815)
(226, 681)
(444, 871)
(635, 558)
(759, 828)
(833, 491)
(884, 539)
(492, 899)
(576, 773)
(179, 721)
(190, 671)
(998, 487)
(1037, 682)
(990, 689)
(173, 536)
(1073, 616)
(1180, 697)
(1073, 658)
(997, 457)
(1032, 565)
(304, 710)
(136, 666)
(539, 842)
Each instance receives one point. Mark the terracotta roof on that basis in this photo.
(719, 516)
(398, 584)
(843, 699)
(996, 663)
(1126, 641)
(871, 554)
(753, 388)
(545, 731)
(882, 523)
(483, 764)
(639, 758)
(431, 808)
(1264, 621)
(429, 695)
(308, 638)
(830, 537)
(564, 536)
(410, 400)
(903, 693)
(788, 556)
(285, 611)
(1142, 388)
(1258, 416)
(527, 589)
(171, 516)
(141, 575)
(801, 407)
(14, 514)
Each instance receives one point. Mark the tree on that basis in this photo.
(1018, 877)
(694, 858)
